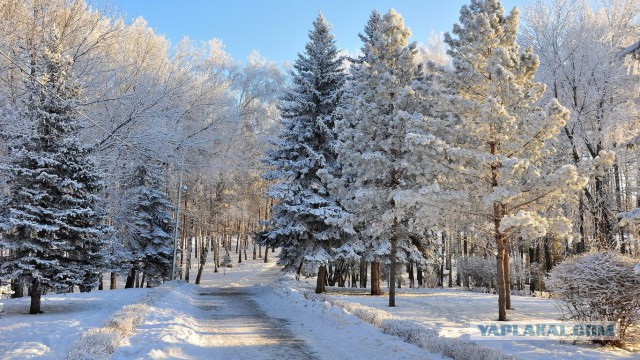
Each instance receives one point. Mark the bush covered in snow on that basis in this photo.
(480, 271)
(599, 286)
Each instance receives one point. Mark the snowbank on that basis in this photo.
(100, 343)
(409, 331)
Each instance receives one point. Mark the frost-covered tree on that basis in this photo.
(579, 43)
(495, 137)
(148, 233)
(52, 222)
(308, 222)
(375, 117)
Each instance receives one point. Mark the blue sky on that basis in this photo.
(278, 28)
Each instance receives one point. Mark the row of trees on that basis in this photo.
(378, 162)
(101, 121)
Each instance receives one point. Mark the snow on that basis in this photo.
(241, 314)
(65, 318)
(451, 311)
(255, 311)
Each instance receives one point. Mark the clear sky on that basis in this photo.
(278, 28)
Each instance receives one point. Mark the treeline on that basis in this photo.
(514, 151)
(102, 121)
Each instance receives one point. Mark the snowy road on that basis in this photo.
(239, 315)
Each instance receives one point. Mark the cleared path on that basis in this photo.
(238, 314)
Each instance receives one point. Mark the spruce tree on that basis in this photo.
(52, 222)
(149, 228)
(377, 114)
(308, 223)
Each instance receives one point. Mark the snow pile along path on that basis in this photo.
(99, 343)
(410, 331)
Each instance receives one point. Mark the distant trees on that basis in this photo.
(152, 111)
(579, 44)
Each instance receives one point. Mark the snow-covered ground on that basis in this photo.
(66, 316)
(451, 311)
(251, 311)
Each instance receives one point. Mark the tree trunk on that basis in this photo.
(449, 251)
(36, 297)
(266, 252)
(188, 256)
(322, 279)
(363, 273)
(376, 287)
(203, 260)
(17, 286)
(411, 278)
(112, 286)
(299, 269)
(507, 278)
(101, 284)
(392, 271)
(131, 279)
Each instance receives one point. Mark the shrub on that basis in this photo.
(599, 286)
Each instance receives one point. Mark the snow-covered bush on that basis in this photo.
(428, 339)
(95, 344)
(599, 286)
(480, 271)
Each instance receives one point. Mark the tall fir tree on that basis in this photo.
(495, 138)
(376, 115)
(148, 233)
(52, 224)
(308, 223)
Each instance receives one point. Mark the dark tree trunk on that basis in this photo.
(411, 278)
(376, 287)
(507, 277)
(17, 286)
(299, 269)
(266, 252)
(363, 273)
(203, 260)
(322, 279)
(112, 285)
(131, 279)
(419, 276)
(36, 297)
(547, 254)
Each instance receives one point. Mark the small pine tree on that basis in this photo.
(496, 136)
(52, 222)
(150, 226)
(308, 222)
